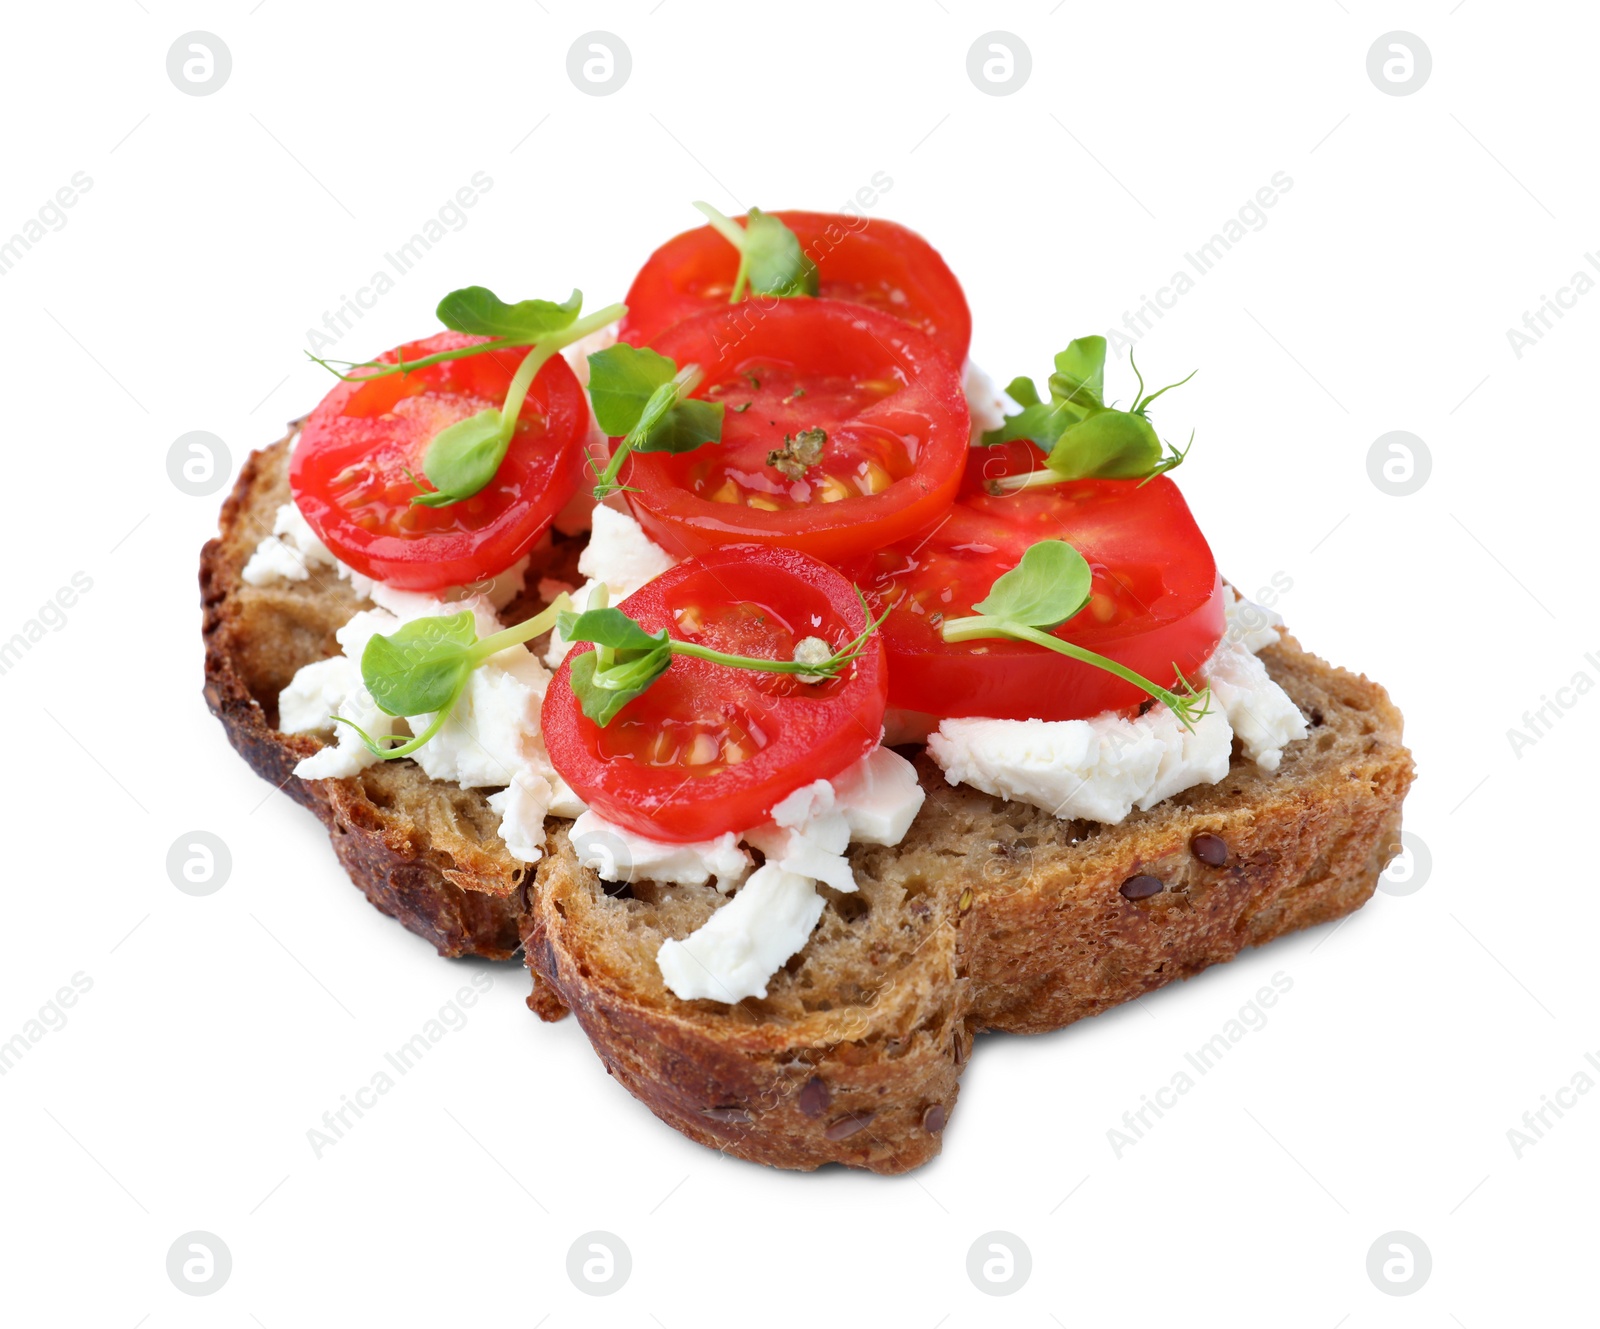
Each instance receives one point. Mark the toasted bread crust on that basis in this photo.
(1018, 923)
(463, 897)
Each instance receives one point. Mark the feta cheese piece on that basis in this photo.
(522, 806)
(290, 553)
(880, 797)
(1095, 769)
(618, 854)
(1250, 626)
(1261, 713)
(491, 731)
(735, 953)
(807, 836)
(619, 556)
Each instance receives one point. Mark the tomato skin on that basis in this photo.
(1156, 600)
(798, 732)
(860, 261)
(383, 425)
(815, 341)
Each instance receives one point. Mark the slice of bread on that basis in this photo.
(990, 915)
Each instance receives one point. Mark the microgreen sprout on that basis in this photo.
(627, 659)
(424, 666)
(462, 458)
(642, 398)
(1048, 587)
(771, 261)
(1084, 437)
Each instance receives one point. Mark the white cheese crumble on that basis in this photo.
(619, 556)
(734, 954)
(1101, 769)
(491, 737)
(618, 854)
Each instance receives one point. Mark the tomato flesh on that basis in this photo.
(1156, 598)
(709, 748)
(874, 263)
(349, 471)
(890, 405)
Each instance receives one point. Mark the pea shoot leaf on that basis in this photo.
(1111, 445)
(421, 666)
(1082, 436)
(602, 692)
(641, 397)
(622, 379)
(774, 262)
(462, 458)
(609, 627)
(1081, 373)
(1044, 590)
(478, 310)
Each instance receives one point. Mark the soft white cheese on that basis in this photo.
(1103, 768)
(619, 556)
(735, 953)
(742, 945)
(1262, 714)
(618, 854)
(290, 553)
(523, 806)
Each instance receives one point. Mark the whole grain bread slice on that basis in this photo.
(426, 853)
(990, 915)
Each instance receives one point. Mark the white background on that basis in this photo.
(1377, 297)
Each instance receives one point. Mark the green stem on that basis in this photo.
(983, 625)
(828, 666)
(406, 749)
(685, 381)
(734, 234)
(1015, 484)
(519, 633)
(382, 370)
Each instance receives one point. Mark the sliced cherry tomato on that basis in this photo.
(710, 748)
(889, 403)
(351, 470)
(874, 263)
(1156, 600)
